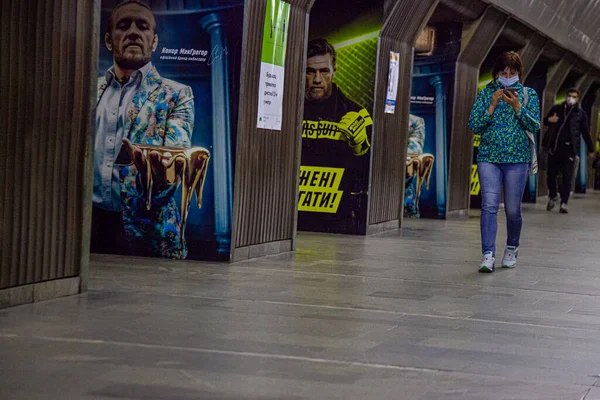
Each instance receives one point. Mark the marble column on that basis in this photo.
(441, 148)
(221, 152)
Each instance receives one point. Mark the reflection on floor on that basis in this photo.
(403, 315)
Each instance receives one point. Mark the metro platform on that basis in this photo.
(400, 315)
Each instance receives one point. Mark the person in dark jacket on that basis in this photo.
(567, 123)
(336, 138)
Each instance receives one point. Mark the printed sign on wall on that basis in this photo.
(272, 67)
(392, 91)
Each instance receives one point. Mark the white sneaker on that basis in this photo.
(510, 257)
(487, 263)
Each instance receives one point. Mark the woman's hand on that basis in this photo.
(495, 101)
(512, 98)
(496, 97)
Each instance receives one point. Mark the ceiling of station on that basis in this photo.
(573, 24)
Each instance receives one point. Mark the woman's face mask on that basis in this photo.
(508, 77)
(506, 82)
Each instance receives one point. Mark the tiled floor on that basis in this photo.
(403, 315)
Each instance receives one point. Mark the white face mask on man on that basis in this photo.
(507, 82)
(571, 101)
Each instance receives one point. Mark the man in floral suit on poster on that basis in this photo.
(136, 106)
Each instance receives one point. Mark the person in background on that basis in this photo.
(567, 123)
(502, 116)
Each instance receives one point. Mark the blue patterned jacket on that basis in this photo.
(503, 135)
(416, 134)
(161, 113)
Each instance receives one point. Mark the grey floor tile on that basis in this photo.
(398, 315)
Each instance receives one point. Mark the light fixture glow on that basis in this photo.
(356, 40)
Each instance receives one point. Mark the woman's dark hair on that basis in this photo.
(510, 59)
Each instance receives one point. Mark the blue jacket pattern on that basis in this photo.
(503, 135)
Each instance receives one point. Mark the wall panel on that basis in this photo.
(594, 121)
(477, 42)
(580, 183)
(388, 164)
(556, 76)
(267, 162)
(531, 52)
(44, 68)
(405, 19)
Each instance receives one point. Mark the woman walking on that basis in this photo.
(503, 114)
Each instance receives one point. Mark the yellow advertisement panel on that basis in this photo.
(475, 186)
(319, 189)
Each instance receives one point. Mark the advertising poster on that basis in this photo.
(430, 118)
(165, 128)
(337, 126)
(272, 67)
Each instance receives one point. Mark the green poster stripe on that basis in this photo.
(275, 32)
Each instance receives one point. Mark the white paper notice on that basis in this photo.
(272, 66)
(270, 98)
(392, 91)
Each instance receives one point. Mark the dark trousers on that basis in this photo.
(562, 161)
(107, 232)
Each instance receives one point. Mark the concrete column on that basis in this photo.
(530, 53)
(476, 44)
(267, 163)
(583, 84)
(594, 134)
(556, 76)
(405, 19)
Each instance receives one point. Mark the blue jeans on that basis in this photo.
(492, 177)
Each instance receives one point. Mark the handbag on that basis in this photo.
(533, 165)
